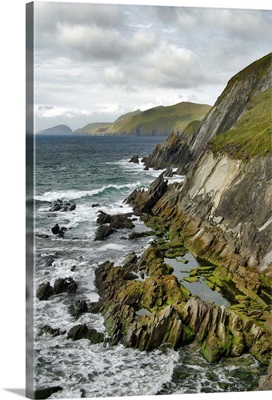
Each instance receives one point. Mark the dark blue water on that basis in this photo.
(87, 171)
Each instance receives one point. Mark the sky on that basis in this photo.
(95, 62)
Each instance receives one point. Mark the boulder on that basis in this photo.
(103, 232)
(60, 205)
(134, 159)
(45, 290)
(103, 218)
(62, 285)
(77, 309)
(53, 331)
(56, 230)
(83, 332)
(118, 221)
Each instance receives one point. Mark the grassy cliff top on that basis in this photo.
(252, 133)
(159, 120)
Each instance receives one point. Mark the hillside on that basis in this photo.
(95, 128)
(56, 130)
(155, 121)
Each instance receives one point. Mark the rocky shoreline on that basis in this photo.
(145, 306)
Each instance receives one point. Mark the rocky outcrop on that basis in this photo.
(147, 313)
(56, 230)
(83, 332)
(110, 223)
(103, 232)
(142, 202)
(134, 159)
(174, 152)
(61, 285)
(62, 206)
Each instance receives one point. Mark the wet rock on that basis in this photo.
(45, 290)
(56, 230)
(62, 285)
(95, 205)
(78, 332)
(142, 202)
(151, 331)
(119, 221)
(134, 159)
(46, 392)
(77, 309)
(53, 331)
(103, 218)
(60, 205)
(103, 232)
(137, 235)
(83, 332)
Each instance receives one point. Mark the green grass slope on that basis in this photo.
(252, 134)
(94, 128)
(159, 120)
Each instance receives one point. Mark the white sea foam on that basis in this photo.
(78, 194)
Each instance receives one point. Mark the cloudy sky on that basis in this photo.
(95, 62)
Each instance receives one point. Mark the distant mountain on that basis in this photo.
(95, 128)
(155, 121)
(56, 130)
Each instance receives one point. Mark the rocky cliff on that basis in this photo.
(234, 103)
(222, 211)
(222, 214)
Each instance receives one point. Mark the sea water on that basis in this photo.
(95, 173)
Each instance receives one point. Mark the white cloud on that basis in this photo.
(114, 76)
(108, 60)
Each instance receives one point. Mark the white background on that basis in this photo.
(12, 194)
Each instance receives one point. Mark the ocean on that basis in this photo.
(95, 173)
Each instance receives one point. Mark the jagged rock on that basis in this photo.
(119, 221)
(148, 332)
(137, 235)
(130, 259)
(60, 205)
(174, 152)
(168, 172)
(56, 230)
(53, 331)
(44, 393)
(83, 332)
(45, 290)
(142, 202)
(103, 232)
(77, 309)
(103, 218)
(134, 159)
(62, 285)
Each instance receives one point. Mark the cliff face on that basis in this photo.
(234, 102)
(225, 206)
